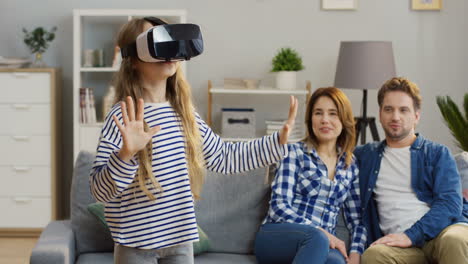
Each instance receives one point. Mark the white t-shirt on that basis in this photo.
(399, 207)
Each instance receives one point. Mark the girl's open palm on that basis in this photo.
(134, 136)
(288, 127)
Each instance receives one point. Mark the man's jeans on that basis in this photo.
(294, 243)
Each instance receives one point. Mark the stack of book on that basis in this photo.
(87, 106)
(297, 133)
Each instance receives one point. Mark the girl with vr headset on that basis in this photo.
(151, 156)
(317, 178)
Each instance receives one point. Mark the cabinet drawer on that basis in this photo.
(25, 87)
(25, 212)
(28, 150)
(25, 181)
(25, 119)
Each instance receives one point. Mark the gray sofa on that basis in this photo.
(230, 212)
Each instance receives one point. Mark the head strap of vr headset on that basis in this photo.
(131, 50)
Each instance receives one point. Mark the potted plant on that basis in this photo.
(38, 41)
(457, 122)
(286, 64)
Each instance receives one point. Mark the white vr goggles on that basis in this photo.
(166, 42)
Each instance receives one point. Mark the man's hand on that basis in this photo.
(354, 258)
(394, 240)
(465, 193)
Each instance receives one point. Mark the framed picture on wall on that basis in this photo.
(426, 4)
(339, 4)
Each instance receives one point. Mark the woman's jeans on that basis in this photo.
(294, 243)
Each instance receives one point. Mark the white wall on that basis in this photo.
(242, 36)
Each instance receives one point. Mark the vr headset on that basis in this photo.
(166, 42)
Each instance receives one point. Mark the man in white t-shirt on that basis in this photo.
(412, 205)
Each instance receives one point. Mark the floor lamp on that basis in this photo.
(364, 65)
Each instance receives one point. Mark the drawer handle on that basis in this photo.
(21, 169)
(21, 106)
(21, 138)
(22, 199)
(21, 74)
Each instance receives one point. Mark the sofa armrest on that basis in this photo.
(55, 245)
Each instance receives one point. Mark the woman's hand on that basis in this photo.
(288, 127)
(336, 244)
(133, 134)
(354, 258)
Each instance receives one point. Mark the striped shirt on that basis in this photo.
(302, 193)
(136, 221)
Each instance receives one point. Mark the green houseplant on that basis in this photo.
(456, 121)
(38, 41)
(285, 64)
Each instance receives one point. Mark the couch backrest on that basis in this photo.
(462, 165)
(91, 236)
(231, 209)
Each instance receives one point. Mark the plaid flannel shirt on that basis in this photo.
(302, 193)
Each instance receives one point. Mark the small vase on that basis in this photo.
(38, 62)
(286, 80)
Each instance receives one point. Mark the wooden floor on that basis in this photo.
(16, 250)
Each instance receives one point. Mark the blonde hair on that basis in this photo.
(347, 139)
(178, 92)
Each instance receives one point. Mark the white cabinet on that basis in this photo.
(97, 29)
(29, 140)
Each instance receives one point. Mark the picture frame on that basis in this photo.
(426, 4)
(339, 4)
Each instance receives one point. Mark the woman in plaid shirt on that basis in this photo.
(316, 179)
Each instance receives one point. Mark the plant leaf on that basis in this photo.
(454, 119)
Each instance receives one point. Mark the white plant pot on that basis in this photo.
(286, 80)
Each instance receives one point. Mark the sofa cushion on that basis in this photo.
(231, 209)
(220, 258)
(95, 258)
(91, 236)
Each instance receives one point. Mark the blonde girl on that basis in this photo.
(152, 154)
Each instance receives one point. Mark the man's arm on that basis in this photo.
(447, 201)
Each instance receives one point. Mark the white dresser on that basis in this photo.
(29, 147)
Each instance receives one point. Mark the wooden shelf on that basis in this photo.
(270, 91)
(97, 124)
(226, 139)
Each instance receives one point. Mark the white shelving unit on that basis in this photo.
(97, 29)
(304, 93)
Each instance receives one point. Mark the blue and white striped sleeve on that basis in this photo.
(110, 175)
(352, 212)
(281, 209)
(226, 157)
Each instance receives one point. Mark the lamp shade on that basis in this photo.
(364, 64)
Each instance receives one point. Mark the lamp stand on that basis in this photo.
(362, 122)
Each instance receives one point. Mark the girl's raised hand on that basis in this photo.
(288, 127)
(134, 136)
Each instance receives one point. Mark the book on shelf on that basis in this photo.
(87, 106)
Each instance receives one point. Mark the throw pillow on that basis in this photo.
(203, 245)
